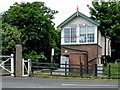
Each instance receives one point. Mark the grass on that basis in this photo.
(115, 70)
(45, 76)
(85, 75)
(76, 76)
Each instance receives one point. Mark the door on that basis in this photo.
(75, 60)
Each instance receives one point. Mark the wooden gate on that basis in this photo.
(26, 67)
(7, 64)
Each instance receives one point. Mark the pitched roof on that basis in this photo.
(75, 15)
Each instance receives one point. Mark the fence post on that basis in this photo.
(109, 72)
(95, 70)
(12, 64)
(51, 68)
(32, 71)
(81, 70)
(65, 68)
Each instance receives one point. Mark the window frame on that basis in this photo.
(77, 36)
(86, 34)
(72, 38)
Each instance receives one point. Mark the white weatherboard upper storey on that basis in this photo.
(77, 22)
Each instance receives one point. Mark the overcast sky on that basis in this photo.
(64, 7)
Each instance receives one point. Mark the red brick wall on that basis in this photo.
(92, 50)
(76, 57)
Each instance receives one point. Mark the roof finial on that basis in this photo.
(77, 10)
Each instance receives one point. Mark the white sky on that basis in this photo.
(65, 7)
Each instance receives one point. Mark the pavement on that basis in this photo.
(29, 82)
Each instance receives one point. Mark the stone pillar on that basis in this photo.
(18, 61)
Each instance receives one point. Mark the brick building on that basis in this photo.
(82, 41)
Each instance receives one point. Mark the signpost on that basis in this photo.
(52, 54)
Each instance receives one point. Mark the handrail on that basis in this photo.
(92, 59)
(5, 56)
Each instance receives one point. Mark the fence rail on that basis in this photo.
(92, 71)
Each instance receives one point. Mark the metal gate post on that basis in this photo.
(12, 65)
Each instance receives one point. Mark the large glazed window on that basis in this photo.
(86, 34)
(70, 35)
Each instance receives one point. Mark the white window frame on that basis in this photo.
(74, 35)
(69, 37)
(85, 34)
(78, 36)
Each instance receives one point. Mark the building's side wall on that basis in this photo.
(103, 44)
(108, 46)
(99, 38)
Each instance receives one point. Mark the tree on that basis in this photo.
(34, 21)
(10, 37)
(0, 33)
(57, 47)
(108, 14)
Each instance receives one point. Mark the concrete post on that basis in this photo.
(18, 61)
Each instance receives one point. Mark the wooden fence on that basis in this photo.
(93, 71)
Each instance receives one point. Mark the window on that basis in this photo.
(67, 35)
(90, 37)
(73, 34)
(82, 34)
(90, 34)
(70, 35)
(86, 34)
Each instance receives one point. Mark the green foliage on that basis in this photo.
(0, 34)
(35, 57)
(34, 21)
(57, 47)
(10, 37)
(108, 14)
